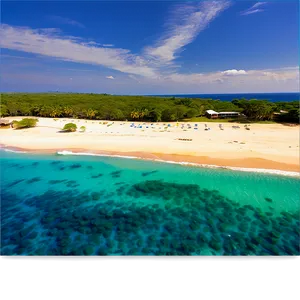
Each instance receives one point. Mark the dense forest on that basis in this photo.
(139, 108)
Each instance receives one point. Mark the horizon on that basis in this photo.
(150, 48)
(101, 93)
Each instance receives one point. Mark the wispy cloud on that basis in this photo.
(233, 75)
(265, 80)
(186, 23)
(182, 28)
(63, 20)
(258, 4)
(149, 67)
(254, 9)
(72, 49)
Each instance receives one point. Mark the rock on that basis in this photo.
(33, 180)
(88, 250)
(95, 196)
(102, 251)
(75, 166)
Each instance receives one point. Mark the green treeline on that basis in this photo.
(139, 108)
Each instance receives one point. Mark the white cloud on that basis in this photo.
(184, 26)
(230, 76)
(186, 23)
(250, 12)
(253, 9)
(234, 72)
(258, 4)
(147, 69)
(72, 49)
(266, 80)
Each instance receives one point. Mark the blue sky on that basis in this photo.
(150, 47)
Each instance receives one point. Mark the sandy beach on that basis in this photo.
(264, 146)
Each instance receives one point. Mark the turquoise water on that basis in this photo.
(85, 205)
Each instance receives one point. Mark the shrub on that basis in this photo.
(25, 123)
(70, 127)
(82, 128)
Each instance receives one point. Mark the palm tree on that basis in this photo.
(36, 110)
(68, 111)
(135, 114)
(44, 111)
(55, 112)
(90, 113)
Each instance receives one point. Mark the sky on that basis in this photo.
(150, 47)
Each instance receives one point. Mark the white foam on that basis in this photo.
(14, 151)
(65, 152)
(253, 170)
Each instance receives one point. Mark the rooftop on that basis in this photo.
(211, 112)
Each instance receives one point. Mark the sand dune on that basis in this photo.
(270, 146)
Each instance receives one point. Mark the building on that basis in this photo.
(211, 114)
(228, 114)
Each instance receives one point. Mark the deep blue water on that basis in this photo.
(85, 205)
(273, 97)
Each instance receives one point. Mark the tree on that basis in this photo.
(291, 116)
(90, 113)
(155, 115)
(68, 111)
(45, 111)
(168, 115)
(191, 113)
(150, 108)
(179, 112)
(116, 114)
(13, 108)
(35, 110)
(185, 102)
(135, 114)
(259, 110)
(25, 123)
(24, 109)
(3, 111)
(55, 112)
(70, 127)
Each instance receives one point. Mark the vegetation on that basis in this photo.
(25, 123)
(82, 128)
(139, 108)
(70, 127)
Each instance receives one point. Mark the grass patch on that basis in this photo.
(205, 119)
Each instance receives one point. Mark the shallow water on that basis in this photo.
(80, 205)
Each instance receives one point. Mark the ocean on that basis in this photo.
(273, 97)
(91, 205)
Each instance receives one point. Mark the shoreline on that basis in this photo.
(255, 165)
(268, 147)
